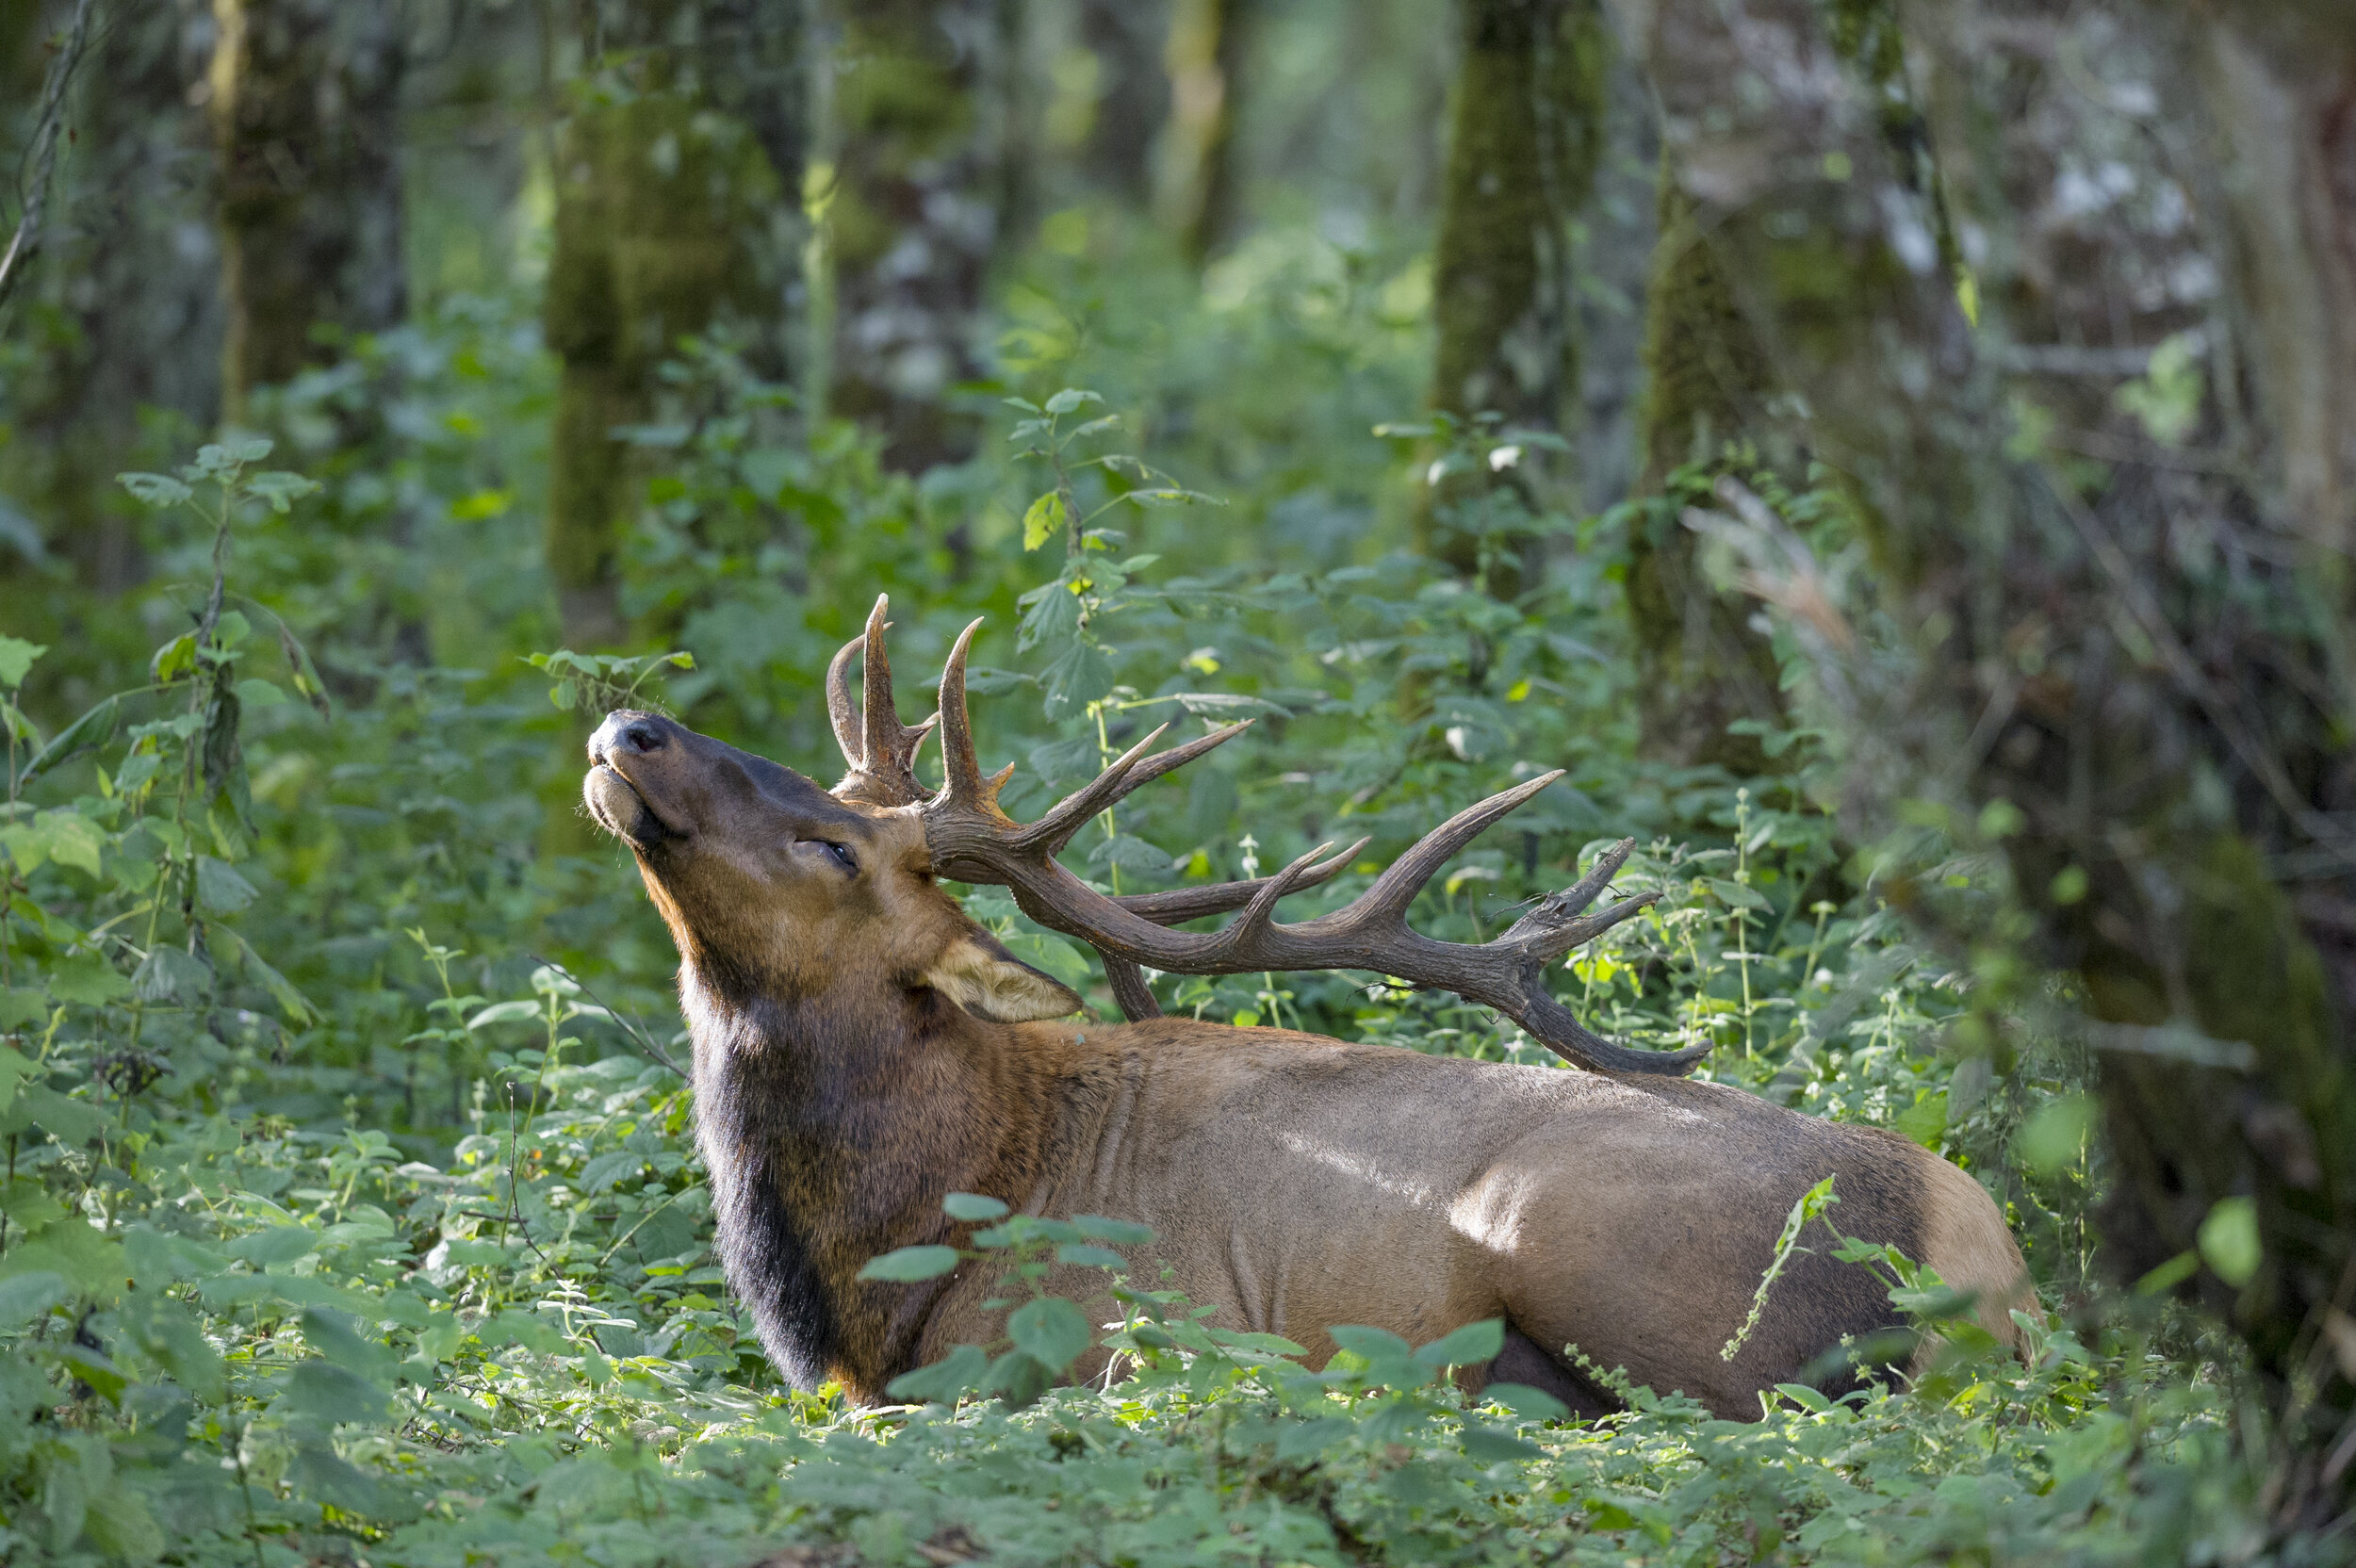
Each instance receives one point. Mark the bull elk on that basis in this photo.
(862, 1048)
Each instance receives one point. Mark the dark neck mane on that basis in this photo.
(833, 1125)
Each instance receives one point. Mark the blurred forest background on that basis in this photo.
(1899, 456)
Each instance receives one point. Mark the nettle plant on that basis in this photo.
(1157, 1342)
(122, 958)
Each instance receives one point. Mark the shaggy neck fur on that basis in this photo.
(833, 1124)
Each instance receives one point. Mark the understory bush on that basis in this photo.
(351, 1209)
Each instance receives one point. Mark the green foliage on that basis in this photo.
(353, 1208)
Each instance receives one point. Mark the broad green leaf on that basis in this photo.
(1808, 1398)
(957, 1373)
(2229, 1241)
(290, 1002)
(1081, 1254)
(16, 660)
(332, 1336)
(1738, 895)
(29, 1204)
(1487, 1446)
(1376, 1344)
(95, 727)
(93, 1265)
(71, 1123)
(2055, 1134)
(1534, 1404)
(1075, 677)
(320, 1391)
(175, 659)
(910, 1263)
(1018, 1377)
(158, 490)
(1069, 399)
(973, 1206)
(1310, 1439)
(171, 976)
(14, 1069)
(120, 1524)
(72, 839)
(508, 1012)
(1050, 1331)
(95, 1368)
(280, 488)
(254, 692)
(89, 980)
(1469, 1345)
(1116, 1232)
(219, 887)
(25, 1297)
(1043, 520)
(280, 1244)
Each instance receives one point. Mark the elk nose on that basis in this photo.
(626, 732)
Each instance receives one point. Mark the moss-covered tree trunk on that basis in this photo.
(305, 97)
(127, 295)
(1525, 137)
(677, 176)
(913, 220)
(2162, 748)
(1702, 664)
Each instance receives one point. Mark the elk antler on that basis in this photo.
(882, 753)
(973, 840)
(880, 749)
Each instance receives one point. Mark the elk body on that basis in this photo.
(864, 1048)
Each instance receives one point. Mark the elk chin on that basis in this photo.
(621, 811)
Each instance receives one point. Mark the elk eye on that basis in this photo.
(842, 856)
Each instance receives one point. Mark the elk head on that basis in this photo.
(757, 869)
(773, 887)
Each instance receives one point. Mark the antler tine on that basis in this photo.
(1179, 904)
(1548, 930)
(1595, 925)
(1397, 887)
(1257, 921)
(971, 841)
(1178, 757)
(963, 788)
(881, 730)
(1127, 774)
(880, 749)
(1065, 818)
(840, 707)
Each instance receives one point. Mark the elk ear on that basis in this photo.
(981, 976)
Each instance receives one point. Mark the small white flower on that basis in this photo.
(1502, 458)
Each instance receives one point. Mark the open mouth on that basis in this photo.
(622, 812)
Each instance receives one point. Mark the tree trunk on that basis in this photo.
(1701, 664)
(307, 102)
(913, 220)
(1526, 134)
(2160, 745)
(1209, 42)
(130, 280)
(674, 215)
(1126, 37)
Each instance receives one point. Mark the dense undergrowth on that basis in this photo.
(352, 1212)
